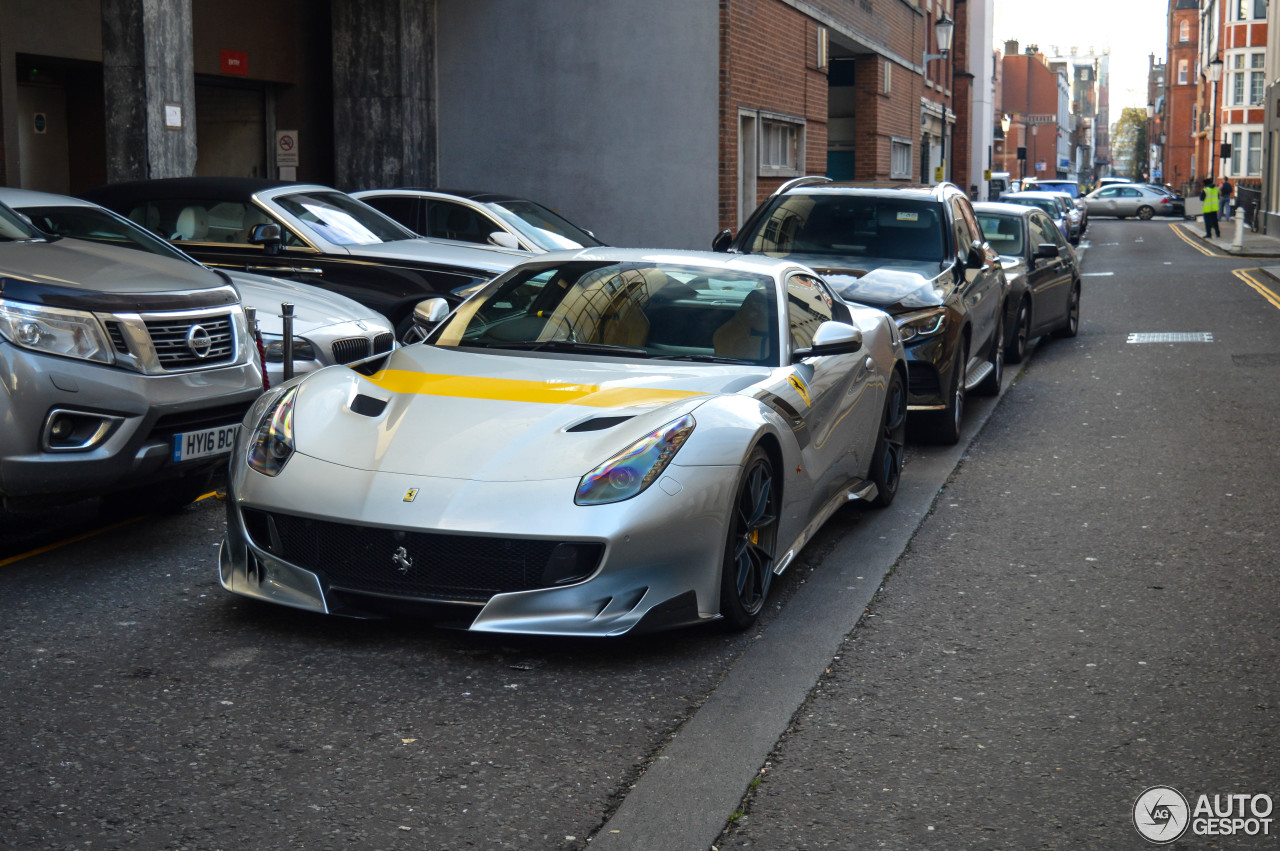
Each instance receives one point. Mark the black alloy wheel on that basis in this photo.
(1145, 213)
(890, 451)
(1015, 348)
(1071, 325)
(749, 551)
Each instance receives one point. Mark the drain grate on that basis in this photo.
(1170, 337)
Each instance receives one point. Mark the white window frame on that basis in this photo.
(787, 158)
(1183, 70)
(1253, 154)
(901, 158)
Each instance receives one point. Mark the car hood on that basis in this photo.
(495, 417)
(76, 273)
(313, 307)
(485, 261)
(894, 286)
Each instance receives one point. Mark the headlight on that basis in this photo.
(922, 323)
(272, 443)
(635, 468)
(54, 330)
(273, 345)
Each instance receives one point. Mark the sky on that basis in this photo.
(1133, 29)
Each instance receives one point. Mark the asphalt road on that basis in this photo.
(1092, 608)
(144, 707)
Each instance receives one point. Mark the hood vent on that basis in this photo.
(367, 406)
(597, 424)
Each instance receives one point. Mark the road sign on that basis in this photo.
(286, 148)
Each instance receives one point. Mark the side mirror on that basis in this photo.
(502, 239)
(1047, 251)
(431, 312)
(831, 338)
(977, 255)
(722, 241)
(268, 236)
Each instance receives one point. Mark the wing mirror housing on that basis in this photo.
(426, 316)
(722, 241)
(502, 239)
(977, 255)
(268, 236)
(1047, 251)
(831, 338)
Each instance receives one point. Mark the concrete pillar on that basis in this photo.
(150, 92)
(384, 112)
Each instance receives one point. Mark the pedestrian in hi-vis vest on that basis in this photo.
(1209, 195)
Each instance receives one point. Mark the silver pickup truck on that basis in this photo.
(118, 371)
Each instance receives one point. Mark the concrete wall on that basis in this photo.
(606, 112)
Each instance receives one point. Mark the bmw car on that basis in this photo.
(599, 442)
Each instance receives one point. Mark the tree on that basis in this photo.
(1129, 143)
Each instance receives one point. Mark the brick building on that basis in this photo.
(1036, 98)
(1178, 113)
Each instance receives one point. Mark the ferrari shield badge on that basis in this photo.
(801, 389)
(410, 495)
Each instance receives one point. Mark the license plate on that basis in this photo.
(203, 443)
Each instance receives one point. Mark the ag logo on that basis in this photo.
(1161, 815)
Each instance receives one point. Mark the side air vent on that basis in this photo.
(598, 424)
(367, 406)
(116, 333)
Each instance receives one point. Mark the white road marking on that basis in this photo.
(1097, 274)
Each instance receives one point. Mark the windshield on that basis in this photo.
(341, 219)
(1045, 204)
(1072, 189)
(98, 225)
(850, 226)
(1004, 233)
(669, 311)
(12, 227)
(542, 227)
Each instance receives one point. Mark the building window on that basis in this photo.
(1182, 72)
(1184, 31)
(1257, 81)
(888, 78)
(1249, 10)
(1237, 80)
(900, 159)
(1235, 153)
(781, 146)
(1253, 164)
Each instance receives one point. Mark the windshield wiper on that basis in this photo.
(702, 358)
(564, 346)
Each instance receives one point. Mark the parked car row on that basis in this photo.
(593, 441)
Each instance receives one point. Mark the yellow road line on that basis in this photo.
(59, 544)
(1264, 291)
(1182, 234)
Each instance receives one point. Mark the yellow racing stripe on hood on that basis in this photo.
(519, 390)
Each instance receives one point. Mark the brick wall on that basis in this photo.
(768, 61)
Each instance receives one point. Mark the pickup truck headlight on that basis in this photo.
(271, 445)
(921, 323)
(635, 468)
(54, 331)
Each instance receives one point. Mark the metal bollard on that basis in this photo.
(286, 314)
(1238, 240)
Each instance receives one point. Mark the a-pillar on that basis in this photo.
(384, 119)
(148, 74)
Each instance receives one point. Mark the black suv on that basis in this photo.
(915, 252)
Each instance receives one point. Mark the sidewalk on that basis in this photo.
(1253, 244)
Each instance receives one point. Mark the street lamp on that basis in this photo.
(1215, 74)
(943, 30)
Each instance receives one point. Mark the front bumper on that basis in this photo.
(145, 412)
(660, 565)
(928, 368)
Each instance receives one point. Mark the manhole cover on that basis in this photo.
(1171, 337)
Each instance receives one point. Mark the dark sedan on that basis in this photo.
(310, 233)
(918, 254)
(1043, 274)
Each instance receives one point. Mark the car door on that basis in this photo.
(834, 394)
(1104, 202)
(1048, 278)
(983, 287)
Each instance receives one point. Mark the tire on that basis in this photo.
(1015, 347)
(887, 458)
(990, 386)
(747, 568)
(1146, 213)
(1071, 325)
(943, 427)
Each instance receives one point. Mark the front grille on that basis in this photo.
(169, 338)
(383, 343)
(452, 568)
(350, 349)
(116, 333)
(201, 418)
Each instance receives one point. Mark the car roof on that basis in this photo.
(935, 192)
(31, 198)
(476, 195)
(1005, 209)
